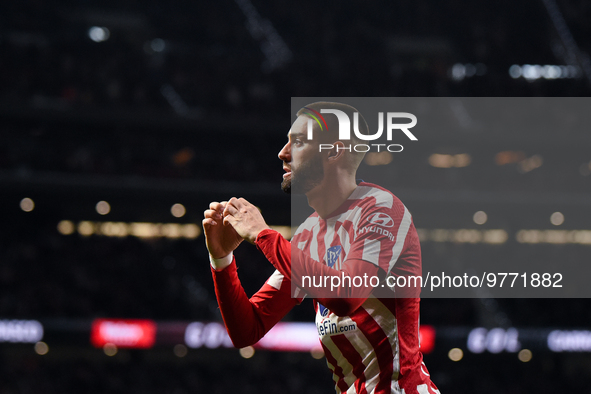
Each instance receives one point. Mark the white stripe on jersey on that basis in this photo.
(389, 324)
(400, 238)
(383, 199)
(379, 315)
(329, 236)
(314, 243)
(349, 376)
(371, 251)
(308, 224)
(396, 388)
(361, 344)
(343, 235)
(275, 280)
(424, 389)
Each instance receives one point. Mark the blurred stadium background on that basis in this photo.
(122, 120)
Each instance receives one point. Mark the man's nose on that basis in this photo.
(284, 153)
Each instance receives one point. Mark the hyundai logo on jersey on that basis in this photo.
(323, 310)
(332, 255)
(381, 219)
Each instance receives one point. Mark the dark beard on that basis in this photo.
(309, 175)
(286, 185)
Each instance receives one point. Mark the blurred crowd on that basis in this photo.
(72, 105)
(125, 151)
(46, 275)
(133, 151)
(214, 56)
(158, 371)
(67, 370)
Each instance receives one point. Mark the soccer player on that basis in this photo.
(369, 336)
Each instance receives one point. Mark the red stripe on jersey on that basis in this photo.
(353, 357)
(348, 226)
(381, 345)
(408, 338)
(320, 241)
(338, 371)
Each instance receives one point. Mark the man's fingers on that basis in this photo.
(230, 209)
(237, 202)
(208, 222)
(218, 206)
(245, 203)
(215, 206)
(211, 213)
(229, 220)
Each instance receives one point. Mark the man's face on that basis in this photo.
(301, 160)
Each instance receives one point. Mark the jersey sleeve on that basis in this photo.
(381, 235)
(248, 320)
(293, 263)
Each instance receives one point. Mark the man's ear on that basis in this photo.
(337, 151)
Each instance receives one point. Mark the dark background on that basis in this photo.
(188, 102)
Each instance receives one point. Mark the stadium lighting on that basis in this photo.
(557, 218)
(458, 72)
(441, 161)
(65, 227)
(532, 72)
(378, 158)
(462, 160)
(27, 204)
(158, 45)
(493, 237)
(41, 348)
(180, 350)
(317, 353)
(110, 349)
(178, 210)
(103, 208)
(524, 355)
(582, 237)
(99, 34)
(508, 157)
(455, 354)
(140, 230)
(85, 228)
(20, 331)
(470, 70)
(530, 164)
(480, 217)
(448, 161)
(247, 352)
(552, 72)
(515, 71)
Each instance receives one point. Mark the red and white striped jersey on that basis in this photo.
(376, 348)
